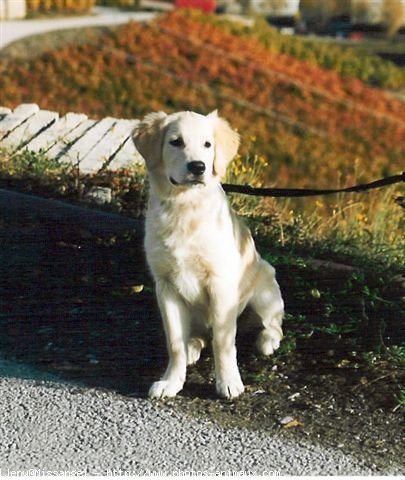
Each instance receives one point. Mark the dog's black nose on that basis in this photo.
(196, 168)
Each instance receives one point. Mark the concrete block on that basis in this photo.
(62, 146)
(56, 132)
(16, 118)
(108, 146)
(88, 141)
(29, 129)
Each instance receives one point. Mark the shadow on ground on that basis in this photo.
(75, 296)
(77, 304)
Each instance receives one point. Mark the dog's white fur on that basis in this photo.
(202, 257)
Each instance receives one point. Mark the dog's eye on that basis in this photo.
(177, 142)
(207, 144)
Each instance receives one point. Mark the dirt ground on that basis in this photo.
(77, 301)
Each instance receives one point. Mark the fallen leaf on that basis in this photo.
(292, 423)
(137, 289)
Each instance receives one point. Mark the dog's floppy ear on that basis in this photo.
(226, 143)
(148, 136)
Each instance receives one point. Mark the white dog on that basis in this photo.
(202, 257)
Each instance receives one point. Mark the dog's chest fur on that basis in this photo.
(190, 243)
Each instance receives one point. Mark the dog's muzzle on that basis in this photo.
(196, 169)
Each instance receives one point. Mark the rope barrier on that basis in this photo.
(306, 192)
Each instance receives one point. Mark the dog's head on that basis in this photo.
(185, 149)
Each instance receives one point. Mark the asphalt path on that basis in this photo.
(52, 423)
(12, 30)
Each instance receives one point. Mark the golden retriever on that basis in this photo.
(202, 257)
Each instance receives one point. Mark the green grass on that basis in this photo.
(371, 46)
(355, 227)
(38, 174)
(401, 400)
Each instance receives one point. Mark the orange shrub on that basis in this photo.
(313, 126)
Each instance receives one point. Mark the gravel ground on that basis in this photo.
(51, 426)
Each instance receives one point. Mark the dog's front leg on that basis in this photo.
(176, 323)
(228, 380)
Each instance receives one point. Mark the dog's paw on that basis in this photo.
(231, 388)
(194, 347)
(165, 389)
(268, 341)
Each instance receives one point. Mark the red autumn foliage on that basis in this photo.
(311, 123)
